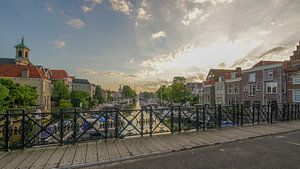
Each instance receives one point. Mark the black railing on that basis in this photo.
(21, 129)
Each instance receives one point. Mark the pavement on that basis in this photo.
(279, 151)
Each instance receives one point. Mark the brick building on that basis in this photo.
(292, 68)
(233, 87)
(264, 83)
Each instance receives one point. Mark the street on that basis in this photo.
(280, 151)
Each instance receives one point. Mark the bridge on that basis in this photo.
(93, 138)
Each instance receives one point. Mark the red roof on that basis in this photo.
(263, 63)
(59, 74)
(16, 71)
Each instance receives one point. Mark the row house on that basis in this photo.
(233, 87)
(195, 88)
(213, 91)
(264, 83)
(292, 69)
(56, 75)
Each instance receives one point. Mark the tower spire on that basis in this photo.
(22, 39)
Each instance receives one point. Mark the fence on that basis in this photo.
(21, 129)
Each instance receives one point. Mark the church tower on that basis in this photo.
(22, 54)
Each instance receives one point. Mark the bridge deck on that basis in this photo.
(97, 152)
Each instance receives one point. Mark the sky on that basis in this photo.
(143, 43)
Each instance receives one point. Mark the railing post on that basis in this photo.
(23, 129)
(233, 114)
(242, 114)
(271, 115)
(117, 123)
(7, 130)
(258, 114)
(203, 117)
(172, 120)
(253, 114)
(197, 118)
(61, 131)
(179, 119)
(74, 126)
(142, 121)
(284, 112)
(238, 114)
(106, 124)
(151, 121)
(288, 112)
(219, 116)
(268, 113)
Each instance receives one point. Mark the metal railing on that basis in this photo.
(20, 129)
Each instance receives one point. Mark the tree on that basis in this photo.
(98, 94)
(4, 93)
(60, 91)
(127, 92)
(178, 92)
(78, 97)
(18, 95)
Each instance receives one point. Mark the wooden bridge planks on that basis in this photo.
(133, 150)
(41, 161)
(112, 149)
(122, 149)
(56, 157)
(140, 145)
(68, 157)
(157, 143)
(8, 158)
(102, 151)
(92, 152)
(34, 155)
(80, 154)
(17, 160)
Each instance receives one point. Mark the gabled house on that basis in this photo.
(292, 68)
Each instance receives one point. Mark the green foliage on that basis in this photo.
(14, 95)
(60, 91)
(127, 92)
(63, 103)
(178, 92)
(4, 93)
(98, 94)
(80, 97)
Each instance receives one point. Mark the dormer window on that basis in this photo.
(20, 53)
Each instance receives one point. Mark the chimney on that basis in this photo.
(25, 73)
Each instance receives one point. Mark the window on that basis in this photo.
(296, 79)
(229, 89)
(271, 88)
(26, 54)
(284, 88)
(247, 102)
(233, 75)
(258, 88)
(251, 91)
(296, 95)
(251, 77)
(269, 75)
(246, 88)
(236, 89)
(20, 53)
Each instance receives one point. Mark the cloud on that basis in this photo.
(263, 33)
(123, 6)
(143, 11)
(191, 15)
(89, 5)
(86, 9)
(158, 35)
(49, 7)
(76, 23)
(60, 44)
